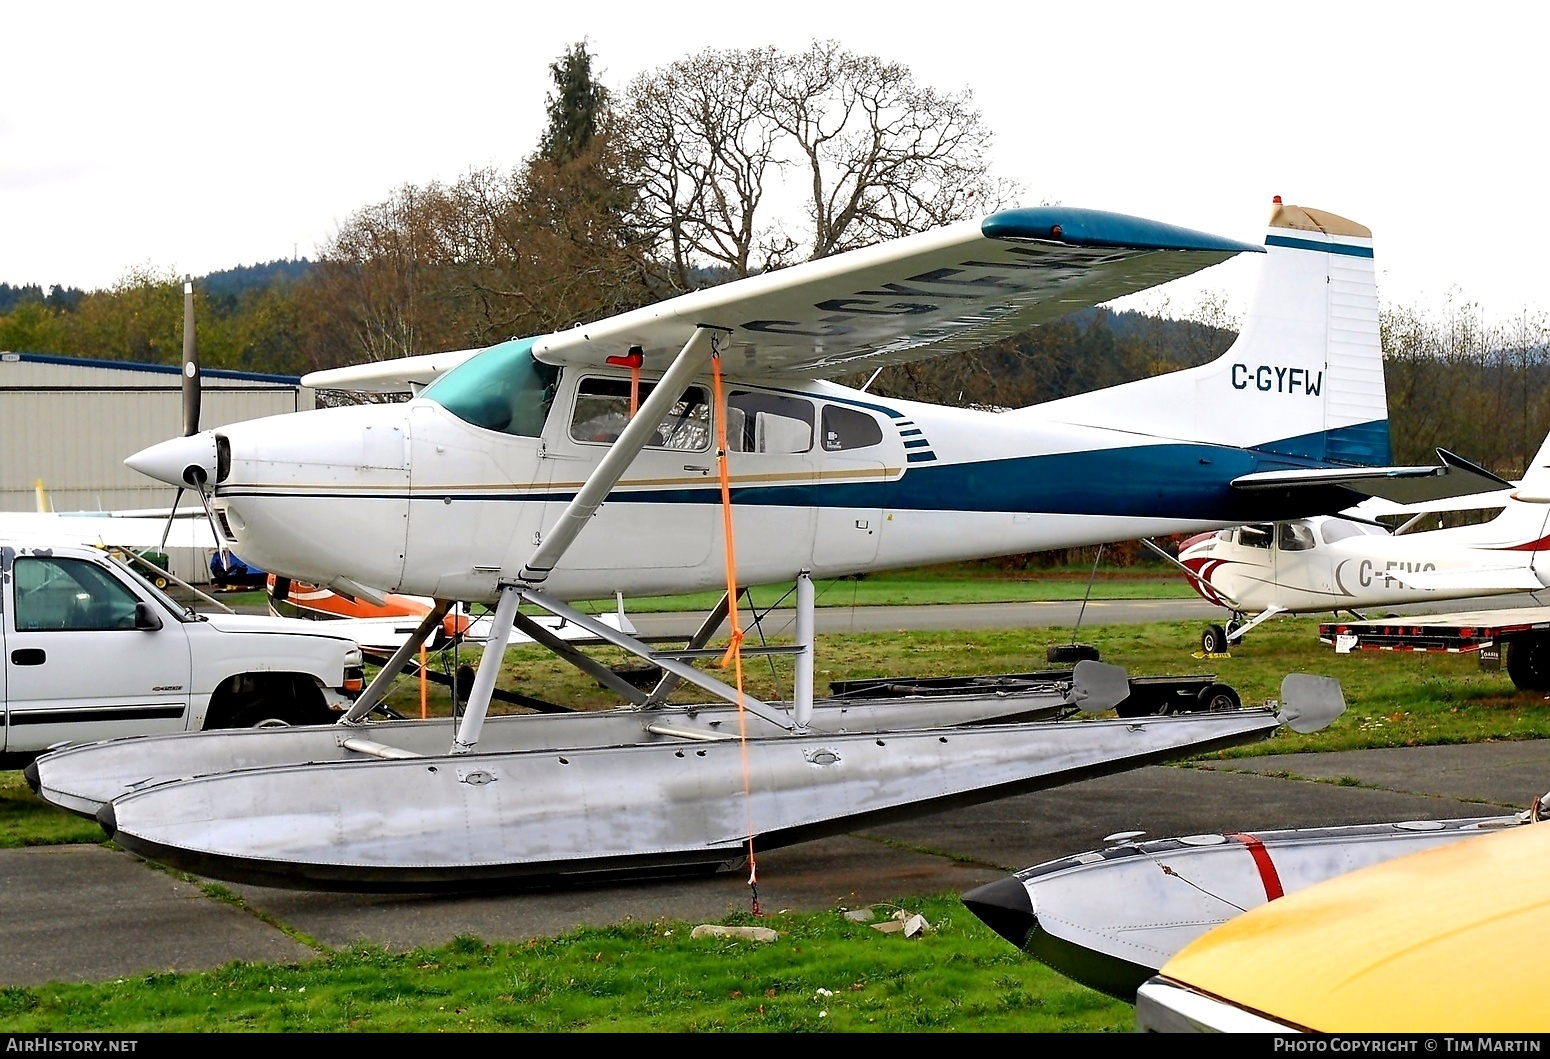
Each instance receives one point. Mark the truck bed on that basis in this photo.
(1463, 631)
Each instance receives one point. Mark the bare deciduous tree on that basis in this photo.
(883, 156)
(701, 141)
(863, 152)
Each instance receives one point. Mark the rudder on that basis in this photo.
(1304, 377)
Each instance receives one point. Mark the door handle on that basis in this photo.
(28, 656)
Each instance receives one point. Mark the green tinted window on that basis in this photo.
(504, 388)
(69, 594)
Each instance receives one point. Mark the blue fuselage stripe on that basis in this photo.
(1184, 481)
(1310, 244)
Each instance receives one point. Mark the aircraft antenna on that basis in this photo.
(1092, 577)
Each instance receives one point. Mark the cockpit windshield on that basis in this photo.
(504, 388)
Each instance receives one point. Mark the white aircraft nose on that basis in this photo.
(180, 461)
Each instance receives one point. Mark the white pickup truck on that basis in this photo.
(94, 651)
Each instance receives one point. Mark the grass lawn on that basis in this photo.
(956, 584)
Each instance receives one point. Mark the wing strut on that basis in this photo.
(620, 455)
(489, 666)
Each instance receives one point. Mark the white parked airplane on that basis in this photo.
(1331, 563)
(488, 476)
(617, 456)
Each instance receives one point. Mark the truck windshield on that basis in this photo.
(504, 388)
(172, 606)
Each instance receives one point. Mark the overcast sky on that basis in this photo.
(193, 137)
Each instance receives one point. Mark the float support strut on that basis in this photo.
(489, 668)
(802, 692)
(378, 687)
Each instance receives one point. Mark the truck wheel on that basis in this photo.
(1219, 698)
(1071, 652)
(1213, 641)
(264, 714)
(1528, 663)
(270, 700)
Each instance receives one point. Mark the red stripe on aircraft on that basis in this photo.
(1267, 870)
(1540, 545)
(1203, 567)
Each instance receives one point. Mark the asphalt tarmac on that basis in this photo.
(92, 913)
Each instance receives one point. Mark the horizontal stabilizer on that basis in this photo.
(1376, 507)
(1403, 485)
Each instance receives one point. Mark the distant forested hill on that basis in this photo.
(56, 297)
(229, 285)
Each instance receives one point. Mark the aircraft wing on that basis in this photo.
(107, 530)
(1498, 579)
(1455, 477)
(954, 288)
(403, 375)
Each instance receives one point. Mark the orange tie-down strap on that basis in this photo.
(734, 654)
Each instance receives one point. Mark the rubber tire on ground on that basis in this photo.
(1071, 652)
(1219, 698)
(1528, 662)
(261, 714)
(1213, 640)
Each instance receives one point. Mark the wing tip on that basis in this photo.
(1103, 229)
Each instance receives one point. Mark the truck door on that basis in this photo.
(76, 668)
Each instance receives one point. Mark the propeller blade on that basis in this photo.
(191, 387)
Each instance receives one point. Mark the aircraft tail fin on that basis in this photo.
(1305, 376)
(1534, 487)
(1524, 521)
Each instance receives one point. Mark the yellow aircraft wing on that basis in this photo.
(1439, 941)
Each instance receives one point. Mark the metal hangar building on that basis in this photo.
(66, 425)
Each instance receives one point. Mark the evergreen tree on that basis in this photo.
(577, 107)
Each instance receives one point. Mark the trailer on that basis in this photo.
(1148, 696)
(1518, 636)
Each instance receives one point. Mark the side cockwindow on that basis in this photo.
(1258, 535)
(69, 594)
(1294, 537)
(847, 428)
(767, 422)
(603, 409)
